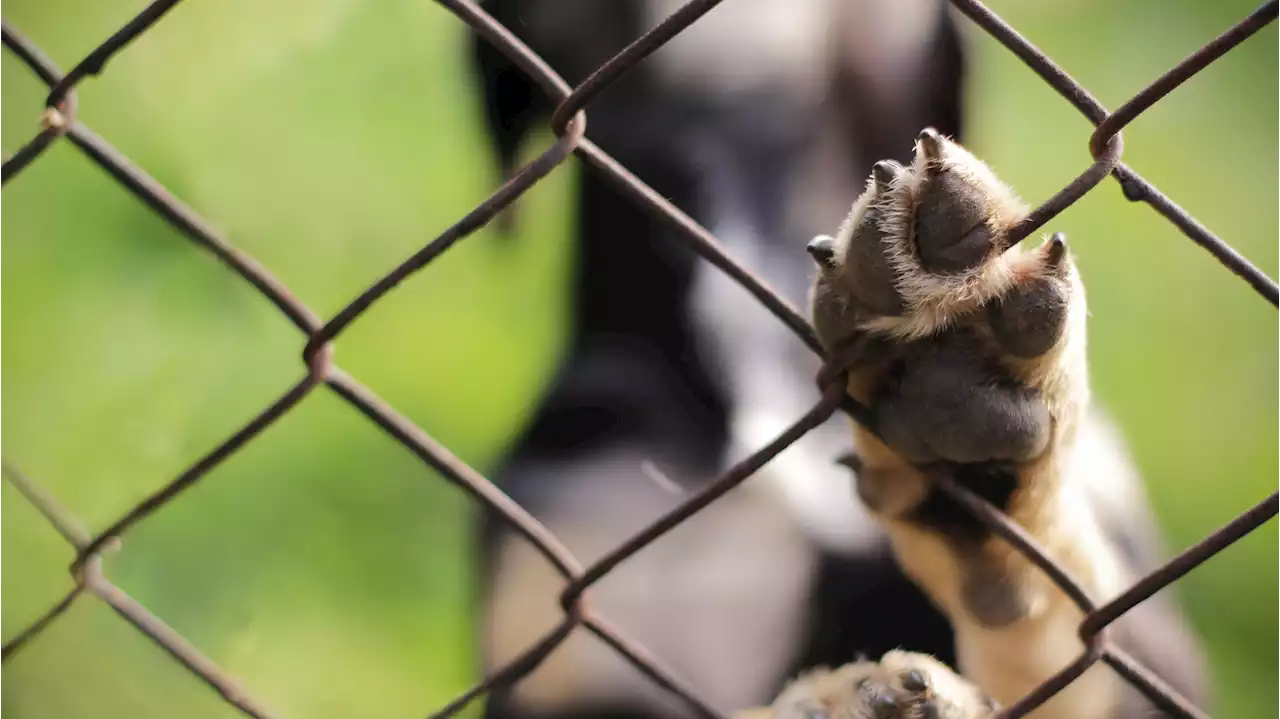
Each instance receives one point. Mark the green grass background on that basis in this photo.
(325, 566)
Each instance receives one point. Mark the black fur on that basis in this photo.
(633, 374)
(992, 481)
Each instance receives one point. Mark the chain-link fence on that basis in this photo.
(569, 123)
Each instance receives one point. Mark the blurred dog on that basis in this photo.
(761, 121)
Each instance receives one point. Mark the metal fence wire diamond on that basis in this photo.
(568, 122)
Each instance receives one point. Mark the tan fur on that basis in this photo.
(933, 302)
(1049, 502)
(846, 692)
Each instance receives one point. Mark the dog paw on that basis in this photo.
(968, 329)
(947, 401)
(1030, 318)
(902, 685)
(923, 246)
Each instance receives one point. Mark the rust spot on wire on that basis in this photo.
(48, 72)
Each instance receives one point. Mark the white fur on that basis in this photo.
(746, 45)
(769, 388)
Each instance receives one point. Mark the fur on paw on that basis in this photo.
(902, 685)
(967, 348)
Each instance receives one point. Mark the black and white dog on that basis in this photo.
(762, 121)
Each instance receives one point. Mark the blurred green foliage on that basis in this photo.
(324, 565)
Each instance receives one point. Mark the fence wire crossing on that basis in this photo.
(1105, 146)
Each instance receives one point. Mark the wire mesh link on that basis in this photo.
(568, 123)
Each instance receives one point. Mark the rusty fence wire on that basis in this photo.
(568, 122)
